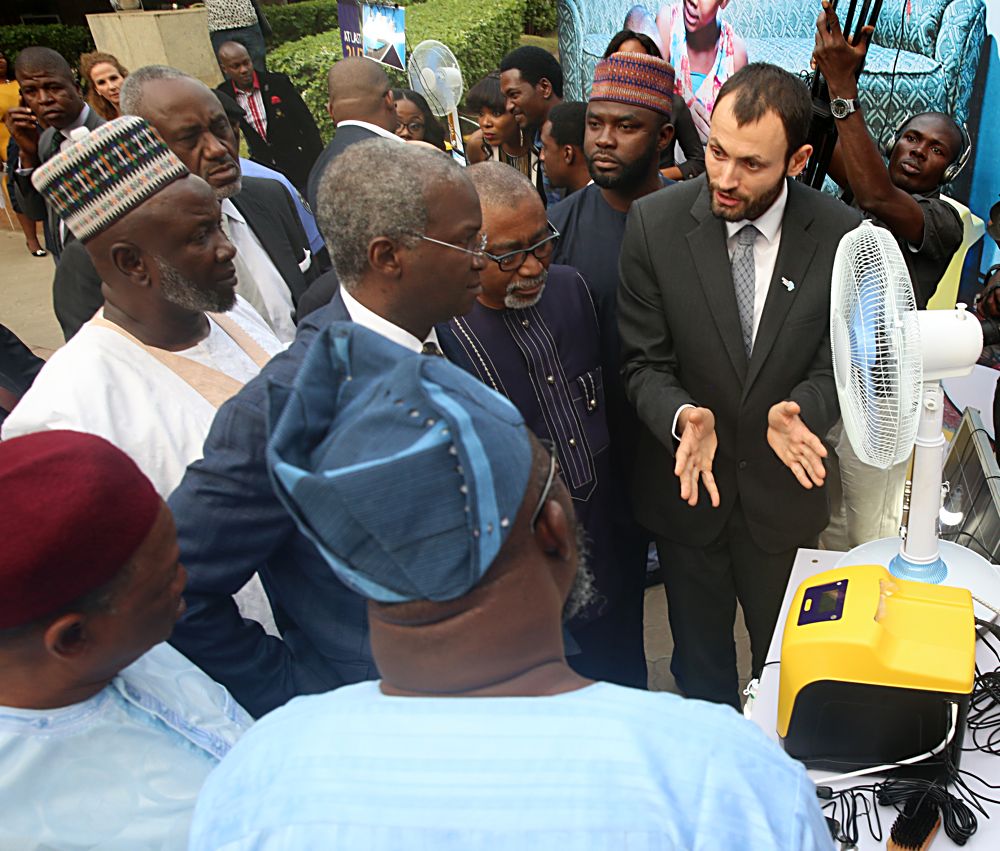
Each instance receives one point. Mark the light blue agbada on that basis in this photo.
(120, 771)
(604, 767)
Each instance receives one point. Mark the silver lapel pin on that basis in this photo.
(789, 285)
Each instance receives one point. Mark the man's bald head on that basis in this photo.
(232, 50)
(35, 59)
(360, 90)
(236, 64)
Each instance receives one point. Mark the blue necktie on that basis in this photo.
(744, 280)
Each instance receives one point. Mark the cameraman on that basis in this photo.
(925, 153)
(904, 198)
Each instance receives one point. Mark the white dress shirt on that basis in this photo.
(381, 131)
(765, 254)
(380, 325)
(270, 286)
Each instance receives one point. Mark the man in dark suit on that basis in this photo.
(273, 264)
(404, 268)
(724, 315)
(360, 106)
(279, 129)
(51, 96)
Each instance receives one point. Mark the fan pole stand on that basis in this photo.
(920, 557)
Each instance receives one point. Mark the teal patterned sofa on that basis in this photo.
(938, 47)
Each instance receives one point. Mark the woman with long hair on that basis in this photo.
(10, 95)
(498, 137)
(102, 75)
(415, 121)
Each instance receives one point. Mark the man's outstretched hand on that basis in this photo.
(695, 454)
(797, 447)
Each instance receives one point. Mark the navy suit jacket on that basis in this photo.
(231, 525)
(344, 137)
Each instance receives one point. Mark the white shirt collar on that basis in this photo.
(381, 131)
(380, 325)
(81, 121)
(769, 222)
(229, 209)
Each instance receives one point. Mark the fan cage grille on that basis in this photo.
(879, 376)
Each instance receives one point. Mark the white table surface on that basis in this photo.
(764, 714)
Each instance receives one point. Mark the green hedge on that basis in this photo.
(540, 17)
(67, 40)
(479, 35)
(296, 20)
(311, 17)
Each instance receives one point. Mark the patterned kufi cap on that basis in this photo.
(636, 79)
(106, 174)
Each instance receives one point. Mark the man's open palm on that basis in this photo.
(696, 453)
(798, 448)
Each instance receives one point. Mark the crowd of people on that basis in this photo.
(411, 428)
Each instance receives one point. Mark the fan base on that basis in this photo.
(966, 569)
(933, 573)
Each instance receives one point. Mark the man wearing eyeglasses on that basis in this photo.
(533, 336)
(408, 253)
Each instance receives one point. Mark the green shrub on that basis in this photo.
(478, 34)
(296, 20)
(67, 40)
(540, 17)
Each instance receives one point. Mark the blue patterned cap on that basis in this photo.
(404, 471)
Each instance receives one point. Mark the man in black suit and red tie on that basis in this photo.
(279, 129)
(724, 311)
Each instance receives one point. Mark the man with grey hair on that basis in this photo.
(273, 262)
(533, 336)
(405, 242)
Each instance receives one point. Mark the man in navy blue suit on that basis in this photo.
(361, 107)
(411, 262)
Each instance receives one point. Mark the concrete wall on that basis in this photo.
(178, 38)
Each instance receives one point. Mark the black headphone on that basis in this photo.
(953, 170)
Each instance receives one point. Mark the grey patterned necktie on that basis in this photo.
(744, 280)
(431, 348)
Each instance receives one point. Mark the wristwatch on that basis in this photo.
(841, 107)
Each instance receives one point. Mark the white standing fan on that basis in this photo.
(888, 360)
(434, 73)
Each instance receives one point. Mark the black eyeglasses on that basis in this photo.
(415, 127)
(543, 497)
(513, 260)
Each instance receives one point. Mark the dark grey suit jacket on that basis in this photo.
(31, 201)
(268, 209)
(682, 344)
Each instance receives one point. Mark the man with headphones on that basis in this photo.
(925, 152)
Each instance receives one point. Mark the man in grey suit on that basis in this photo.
(724, 316)
(50, 95)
